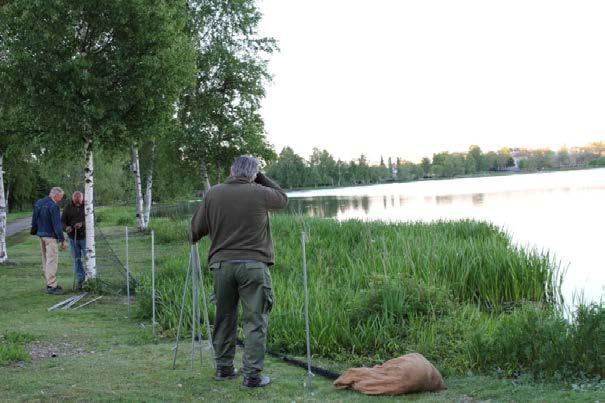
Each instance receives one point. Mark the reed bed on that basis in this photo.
(378, 290)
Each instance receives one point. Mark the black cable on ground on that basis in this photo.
(326, 373)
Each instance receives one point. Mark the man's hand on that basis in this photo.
(78, 225)
(68, 230)
(63, 245)
(260, 178)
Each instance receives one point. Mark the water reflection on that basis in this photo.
(366, 206)
(444, 199)
(478, 199)
(332, 207)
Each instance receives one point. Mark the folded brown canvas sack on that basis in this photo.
(406, 374)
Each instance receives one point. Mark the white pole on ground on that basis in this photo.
(307, 330)
(153, 281)
(127, 273)
(89, 302)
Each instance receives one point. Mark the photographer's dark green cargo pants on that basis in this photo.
(250, 282)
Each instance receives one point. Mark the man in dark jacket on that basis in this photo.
(73, 222)
(235, 216)
(46, 219)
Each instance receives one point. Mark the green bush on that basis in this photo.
(598, 162)
(540, 341)
(588, 339)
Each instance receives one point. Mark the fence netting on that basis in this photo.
(120, 250)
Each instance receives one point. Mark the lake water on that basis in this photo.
(559, 212)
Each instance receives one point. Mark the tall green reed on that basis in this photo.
(380, 289)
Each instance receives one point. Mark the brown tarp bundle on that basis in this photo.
(406, 374)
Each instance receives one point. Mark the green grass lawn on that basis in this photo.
(103, 355)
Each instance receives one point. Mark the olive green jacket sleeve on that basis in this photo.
(199, 223)
(275, 197)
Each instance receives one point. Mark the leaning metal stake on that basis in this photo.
(310, 374)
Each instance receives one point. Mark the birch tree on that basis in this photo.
(219, 115)
(3, 248)
(149, 185)
(138, 189)
(95, 73)
(144, 198)
(13, 147)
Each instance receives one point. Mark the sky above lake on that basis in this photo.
(410, 78)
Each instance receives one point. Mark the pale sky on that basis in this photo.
(409, 78)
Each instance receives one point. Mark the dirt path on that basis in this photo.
(18, 225)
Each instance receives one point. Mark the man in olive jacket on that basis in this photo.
(235, 216)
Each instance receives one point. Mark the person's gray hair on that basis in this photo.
(57, 191)
(245, 166)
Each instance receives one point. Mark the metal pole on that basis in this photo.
(89, 302)
(198, 326)
(204, 301)
(127, 274)
(307, 330)
(73, 287)
(153, 282)
(194, 296)
(178, 331)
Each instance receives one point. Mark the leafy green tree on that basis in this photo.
(563, 157)
(407, 171)
(16, 146)
(382, 171)
(504, 159)
(342, 172)
(314, 177)
(289, 169)
(327, 168)
(490, 161)
(390, 169)
(474, 160)
(220, 114)
(363, 169)
(94, 75)
(425, 163)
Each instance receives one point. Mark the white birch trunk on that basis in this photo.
(149, 187)
(204, 175)
(8, 193)
(91, 262)
(136, 171)
(3, 251)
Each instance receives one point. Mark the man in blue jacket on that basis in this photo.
(46, 219)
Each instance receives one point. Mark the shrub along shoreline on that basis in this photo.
(459, 292)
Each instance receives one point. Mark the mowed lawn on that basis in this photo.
(101, 354)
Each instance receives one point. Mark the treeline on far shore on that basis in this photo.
(322, 169)
(27, 179)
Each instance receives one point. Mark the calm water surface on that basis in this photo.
(559, 212)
